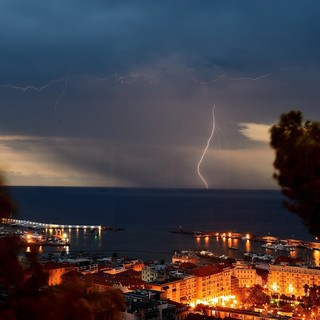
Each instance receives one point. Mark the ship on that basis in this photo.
(278, 247)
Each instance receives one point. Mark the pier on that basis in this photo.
(293, 243)
(40, 225)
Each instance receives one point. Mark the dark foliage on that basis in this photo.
(24, 294)
(312, 295)
(253, 296)
(297, 166)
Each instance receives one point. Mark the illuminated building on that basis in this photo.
(246, 274)
(55, 271)
(149, 274)
(179, 288)
(185, 257)
(213, 283)
(208, 284)
(290, 279)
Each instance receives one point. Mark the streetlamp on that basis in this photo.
(291, 288)
(275, 289)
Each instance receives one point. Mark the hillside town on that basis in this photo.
(193, 285)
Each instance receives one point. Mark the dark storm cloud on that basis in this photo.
(136, 81)
(57, 37)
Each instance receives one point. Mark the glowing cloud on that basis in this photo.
(255, 131)
(25, 162)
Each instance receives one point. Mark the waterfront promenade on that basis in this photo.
(40, 225)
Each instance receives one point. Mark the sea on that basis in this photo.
(146, 217)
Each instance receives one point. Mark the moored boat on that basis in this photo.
(278, 247)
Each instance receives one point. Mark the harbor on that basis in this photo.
(80, 237)
(268, 241)
(41, 225)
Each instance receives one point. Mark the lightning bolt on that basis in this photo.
(27, 88)
(45, 86)
(66, 80)
(206, 148)
(124, 79)
(235, 79)
(150, 78)
(62, 94)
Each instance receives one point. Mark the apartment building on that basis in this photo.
(290, 279)
(177, 287)
(55, 271)
(246, 274)
(207, 284)
(213, 283)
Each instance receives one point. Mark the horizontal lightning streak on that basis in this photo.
(26, 88)
(235, 79)
(49, 84)
(147, 77)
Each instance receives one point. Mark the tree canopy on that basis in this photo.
(24, 294)
(297, 166)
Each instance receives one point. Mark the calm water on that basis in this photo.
(149, 214)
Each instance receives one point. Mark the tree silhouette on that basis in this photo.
(254, 295)
(297, 166)
(24, 298)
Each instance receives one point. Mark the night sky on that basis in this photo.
(121, 93)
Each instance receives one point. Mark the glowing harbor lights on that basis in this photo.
(40, 225)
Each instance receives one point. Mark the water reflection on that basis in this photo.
(235, 248)
(316, 257)
(248, 245)
(294, 254)
(158, 245)
(66, 249)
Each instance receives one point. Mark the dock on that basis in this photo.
(293, 243)
(41, 225)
